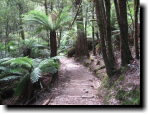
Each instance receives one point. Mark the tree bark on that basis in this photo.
(101, 23)
(53, 44)
(108, 34)
(81, 43)
(121, 11)
(86, 22)
(93, 30)
(136, 10)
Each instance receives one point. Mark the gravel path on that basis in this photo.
(76, 86)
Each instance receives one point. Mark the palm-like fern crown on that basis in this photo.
(51, 22)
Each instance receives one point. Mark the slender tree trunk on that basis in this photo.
(46, 7)
(21, 22)
(7, 37)
(53, 45)
(108, 34)
(46, 12)
(81, 44)
(86, 21)
(136, 9)
(101, 23)
(121, 11)
(93, 30)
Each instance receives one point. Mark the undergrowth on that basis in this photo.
(114, 92)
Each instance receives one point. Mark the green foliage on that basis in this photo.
(49, 66)
(114, 89)
(26, 69)
(21, 86)
(39, 47)
(52, 22)
(20, 62)
(9, 78)
(129, 97)
(35, 75)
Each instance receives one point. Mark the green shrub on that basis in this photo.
(26, 69)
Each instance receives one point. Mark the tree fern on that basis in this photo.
(26, 69)
(39, 18)
(45, 22)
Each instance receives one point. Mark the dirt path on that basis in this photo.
(76, 86)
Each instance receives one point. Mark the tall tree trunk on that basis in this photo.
(81, 44)
(93, 30)
(53, 44)
(102, 28)
(86, 22)
(20, 21)
(108, 34)
(136, 10)
(7, 48)
(121, 11)
(46, 12)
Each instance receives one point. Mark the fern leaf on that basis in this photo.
(10, 78)
(21, 61)
(35, 75)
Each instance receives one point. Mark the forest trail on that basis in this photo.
(76, 86)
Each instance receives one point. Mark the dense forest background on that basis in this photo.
(103, 35)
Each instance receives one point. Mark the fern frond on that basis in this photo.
(49, 66)
(3, 68)
(51, 22)
(21, 61)
(9, 78)
(4, 59)
(39, 18)
(35, 75)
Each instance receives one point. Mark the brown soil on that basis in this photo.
(76, 85)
